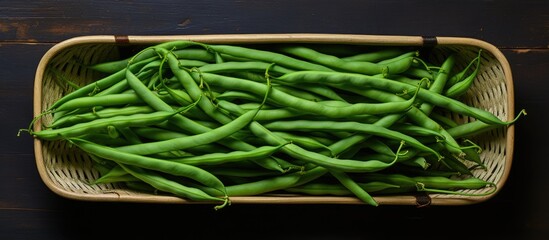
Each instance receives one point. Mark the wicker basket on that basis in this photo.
(67, 171)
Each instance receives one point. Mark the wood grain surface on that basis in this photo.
(29, 210)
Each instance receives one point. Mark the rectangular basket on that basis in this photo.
(67, 171)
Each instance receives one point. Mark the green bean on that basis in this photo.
(455, 163)
(419, 73)
(103, 113)
(329, 60)
(115, 174)
(399, 64)
(112, 131)
(317, 158)
(129, 135)
(420, 162)
(262, 114)
(243, 66)
(122, 86)
(342, 145)
(412, 81)
(98, 124)
(375, 56)
(400, 57)
(276, 114)
(235, 156)
(177, 169)
(163, 184)
(192, 140)
(407, 183)
(103, 138)
(460, 87)
(303, 141)
(432, 170)
(353, 187)
(394, 86)
(238, 95)
(471, 129)
(298, 93)
(459, 76)
(141, 187)
(379, 146)
(194, 54)
(473, 153)
(305, 125)
(450, 142)
(446, 183)
(273, 184)
(253, 105)
(321, 90)
(191, 63)
(313, 88)
(224, 171)
(157, 133)
(418, 116)
(263, 185)
(415, 130)
(444, 121)
(336, 63)
(403, 155)
(305, 105)
(105, 101)
(268, 56)
(119, 65)
(352, 152)
(114, 89)
(440, 82)
(252, 76)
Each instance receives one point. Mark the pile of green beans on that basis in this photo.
(206, 122)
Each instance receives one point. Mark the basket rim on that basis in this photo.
(402, 40)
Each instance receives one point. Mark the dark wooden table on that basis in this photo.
(29, 210)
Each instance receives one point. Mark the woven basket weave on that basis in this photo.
(67, 171)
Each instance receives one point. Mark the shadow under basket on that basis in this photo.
(67, 171)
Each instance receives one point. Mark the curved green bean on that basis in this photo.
(163, 184)
(177, 169)
(210, 136)
(305, 125)
(101, 124)
(267, 56)
(394, 86)
(306, 105)
(235, 156)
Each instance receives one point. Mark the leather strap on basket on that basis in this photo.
(121, 39)
(423, 200)
(429, 42)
